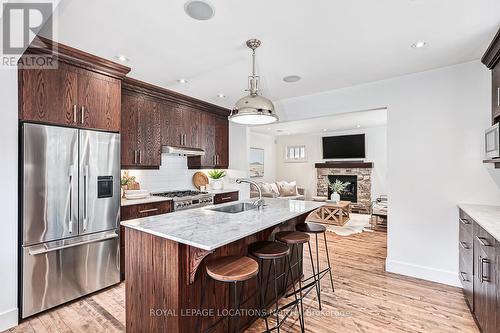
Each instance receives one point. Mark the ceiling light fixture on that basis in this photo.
(253, 109)
(418, 44)
(291, 78)
(199, 10)
(221, 95)
(358, 126)
(324, 129)
(122, 58)
(182, 81)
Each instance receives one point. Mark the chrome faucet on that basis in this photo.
(259, 202)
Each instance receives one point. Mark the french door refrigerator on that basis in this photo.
(70, 214)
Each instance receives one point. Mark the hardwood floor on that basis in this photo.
(366, 299)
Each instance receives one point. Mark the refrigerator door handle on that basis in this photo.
(85, 196)
(70, 222)
(47, 250)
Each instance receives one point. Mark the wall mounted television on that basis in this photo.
(344, 146)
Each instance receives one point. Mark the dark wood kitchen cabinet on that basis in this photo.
(479, 272)
(183, 128)
(491, 59)
(83, 91)
(225, 197)
(140, 133)
(221, 143)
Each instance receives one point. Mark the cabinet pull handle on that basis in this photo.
(74, 113)
(83, 114)
(498, 96)
(464, 245)
(148, 210)
(482, 277)
(225, 198)
(185, 139)
(465, 221)
(462, 276)
(135, 156)
(140, 157)
(180, 135)
(482, 241)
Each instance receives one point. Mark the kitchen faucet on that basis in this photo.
(259, 202)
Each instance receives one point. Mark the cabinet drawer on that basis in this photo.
(484, 241)
(465, 222)
(466, 276)
(145, 210)
(225, 197)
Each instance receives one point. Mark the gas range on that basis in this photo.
(188, 199)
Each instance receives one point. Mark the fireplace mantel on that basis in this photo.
(345, 164)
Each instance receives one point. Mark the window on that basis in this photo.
(295, 153)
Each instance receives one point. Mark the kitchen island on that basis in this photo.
(165, 263)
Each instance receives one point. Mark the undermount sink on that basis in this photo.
(236, 208)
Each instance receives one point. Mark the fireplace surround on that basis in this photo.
(362, 190)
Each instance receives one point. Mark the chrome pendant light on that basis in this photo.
(253, 109)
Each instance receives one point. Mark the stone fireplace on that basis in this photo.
(357, 174)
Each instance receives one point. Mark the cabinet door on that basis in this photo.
(148, 133)
(129, 118)
(222, 142)
(175, 125)
(49, 95)
(495, 93)
(208, 140)
(99, 101)
(191, 121)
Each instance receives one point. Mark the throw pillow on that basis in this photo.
(288, 184)
(288, 190)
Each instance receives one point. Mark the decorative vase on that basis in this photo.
(335, 197)
(217, 184)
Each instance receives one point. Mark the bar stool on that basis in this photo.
(297, 239)
(313, 228)
(231, 269)
(269, 250)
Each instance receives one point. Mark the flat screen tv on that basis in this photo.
(344, 146)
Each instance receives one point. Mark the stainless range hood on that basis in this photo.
(186, 151)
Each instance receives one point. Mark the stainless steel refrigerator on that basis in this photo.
(70, 213)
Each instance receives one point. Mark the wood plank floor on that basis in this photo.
(366, 299)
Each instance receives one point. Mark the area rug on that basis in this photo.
(357, 224)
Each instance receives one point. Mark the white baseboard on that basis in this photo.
(423, 272)
(8, 319)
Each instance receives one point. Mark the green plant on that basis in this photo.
(124, 181)
(338, 186)
(216, 174)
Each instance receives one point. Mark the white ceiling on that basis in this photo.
(329, 43)
(336, 123)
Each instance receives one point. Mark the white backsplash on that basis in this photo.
(174, 175)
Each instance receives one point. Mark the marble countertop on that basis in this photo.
(150, 199)
(486, 216)
(207, 229)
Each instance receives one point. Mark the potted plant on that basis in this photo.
(216, 177)
(337, 187)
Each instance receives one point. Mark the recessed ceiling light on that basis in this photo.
(183, 81)
(418, 44)
(291, 78)
(199, 10)
(324, 129)
(122, 58)
(221, 95)
(358, 125)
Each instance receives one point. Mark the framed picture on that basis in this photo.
(256, 162)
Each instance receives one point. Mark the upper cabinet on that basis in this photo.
(83, 91)
(181, 121)
(491, 59)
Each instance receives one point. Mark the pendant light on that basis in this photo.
(253, 109)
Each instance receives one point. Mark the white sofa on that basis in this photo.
(273, 190)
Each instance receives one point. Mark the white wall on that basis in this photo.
(435, 126)
(305, 172)
(266, 142)
(8, 198)
(174, 174)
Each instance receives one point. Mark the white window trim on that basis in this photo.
(298, 159)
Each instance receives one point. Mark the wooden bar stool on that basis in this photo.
(313, 228)
(296, 240)
(269, 250)
(232, 269)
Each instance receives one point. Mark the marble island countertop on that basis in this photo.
(487, 216)
(207, 229)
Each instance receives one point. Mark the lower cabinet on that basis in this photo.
(225, 197)
(479, 270)
(137, 211)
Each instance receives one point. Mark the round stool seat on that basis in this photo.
(232, 268)
(268, 250)
(292, 237)
(312, 228)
